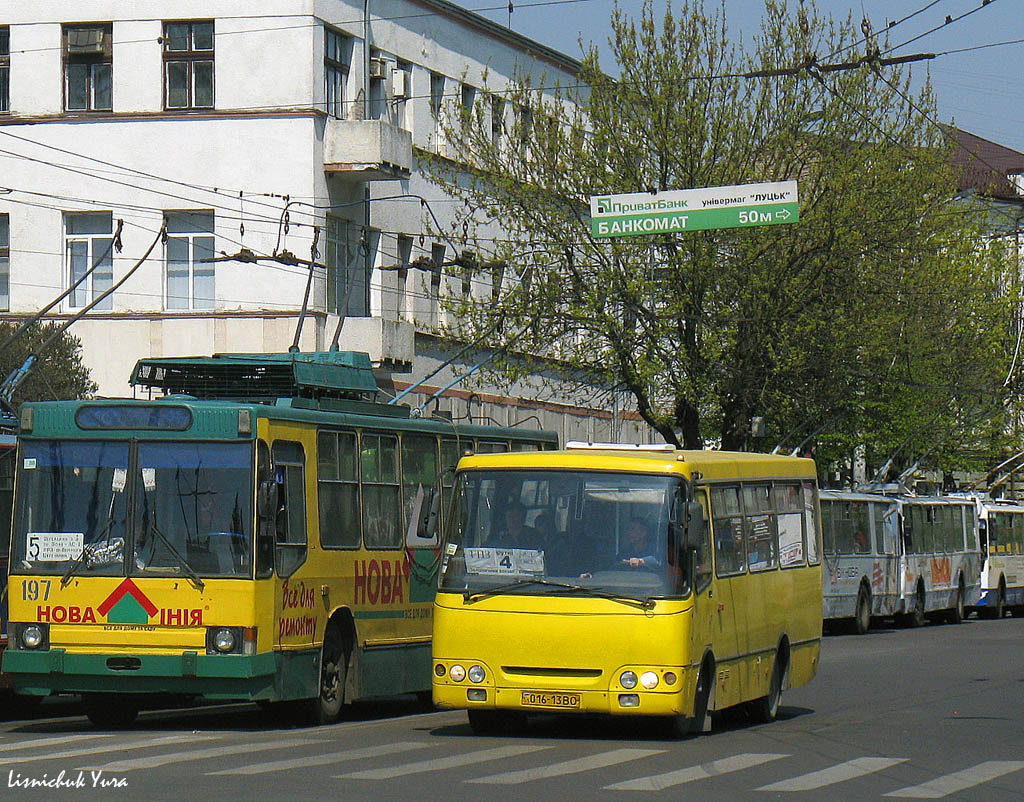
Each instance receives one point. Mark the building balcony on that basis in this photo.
(390, 343)
(367, 150)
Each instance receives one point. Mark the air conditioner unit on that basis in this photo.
(378, 68)
(399, 84)
(86, 40)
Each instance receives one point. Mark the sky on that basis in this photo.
(981, 90)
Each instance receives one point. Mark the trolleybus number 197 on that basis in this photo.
(537, 699)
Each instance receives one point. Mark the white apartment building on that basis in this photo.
(269, 128)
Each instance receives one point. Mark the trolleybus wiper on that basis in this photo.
(472, 596)
(73, 568)
(189, 572)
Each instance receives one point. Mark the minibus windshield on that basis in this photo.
(581, 532)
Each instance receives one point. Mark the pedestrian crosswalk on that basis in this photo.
(646, 768)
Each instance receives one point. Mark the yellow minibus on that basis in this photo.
(627, 580)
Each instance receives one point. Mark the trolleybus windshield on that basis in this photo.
(190, 503)
(558, 532)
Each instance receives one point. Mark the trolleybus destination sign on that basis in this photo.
(669, 212)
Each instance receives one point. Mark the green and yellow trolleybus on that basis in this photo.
(627, 580)
(259, 532)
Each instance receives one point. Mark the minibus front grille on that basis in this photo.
(538, 671)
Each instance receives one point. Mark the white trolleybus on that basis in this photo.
(898, 555)
(1001, 523)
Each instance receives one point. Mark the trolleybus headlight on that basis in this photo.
(32, 636)
(649, 680)
(476, 674)
(457, 673)
(627, 679)
(224, 640)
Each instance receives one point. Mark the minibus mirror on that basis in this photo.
(266, 499)
(694, 526)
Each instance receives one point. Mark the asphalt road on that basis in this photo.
(933, 713)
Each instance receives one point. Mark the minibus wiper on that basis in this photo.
(192, 575)
(646, 603)
(562, 587)
(472, 596)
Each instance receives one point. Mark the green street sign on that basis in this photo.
(640, 213)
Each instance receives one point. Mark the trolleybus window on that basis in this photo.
(290, 550)
(71, 508)
(381, 508)
(419, 470)
(193, 506)
(338, 489)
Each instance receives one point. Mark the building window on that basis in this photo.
(5, 263)
(497, 119)
(347, 267)
(404, 261)
(190, 278)
(337, 58)
(88, 243)
(88, 67)
(468, 101)
(436, 103)
(401, 91)
(188, 65)
(5, 68)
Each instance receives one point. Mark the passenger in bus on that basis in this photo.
(861, 542)
(514, 533)
(637, 549)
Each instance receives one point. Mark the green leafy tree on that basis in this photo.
(878, 320)
(59, 372)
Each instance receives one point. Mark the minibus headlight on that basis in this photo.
(649, 680)
(476, 674)
(670, 678)
(457, 673)
(627, 679)
(33, 636)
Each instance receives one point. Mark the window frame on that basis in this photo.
(190, 237)
(5, 69)
(104, 57)
(338, 68)
(367, 482)
(190, 58)
(5, 262)
(97, 243)
(288, 465)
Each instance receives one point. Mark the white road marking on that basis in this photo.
(152, 761)
(598, 761)
(657, 782)
(323, 760)
(960, 780)
(454, 761)
(835, 774)
(77, 737)
(121, 746)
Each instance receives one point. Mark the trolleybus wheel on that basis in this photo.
(916, 617)
(1001, 600)
(110, 711)
(333, 675)
(956, 614)
(862, 618)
